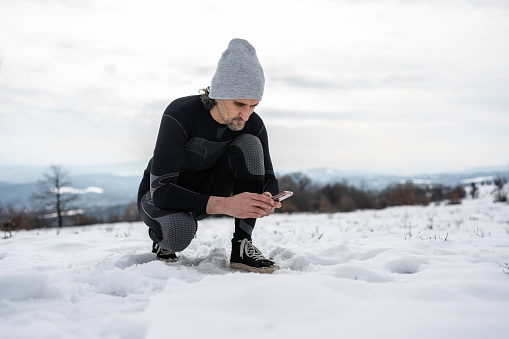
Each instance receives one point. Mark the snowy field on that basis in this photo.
(403, 272)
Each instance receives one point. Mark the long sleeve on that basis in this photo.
(165, 169)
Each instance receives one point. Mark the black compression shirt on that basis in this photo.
(189, 144)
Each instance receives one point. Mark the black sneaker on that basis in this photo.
(162, 254)
(245, 256)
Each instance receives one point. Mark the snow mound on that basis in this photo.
(408, 265)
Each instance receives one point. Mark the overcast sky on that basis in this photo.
(394, 86)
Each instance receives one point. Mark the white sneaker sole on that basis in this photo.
(168, 260)
(238, 266)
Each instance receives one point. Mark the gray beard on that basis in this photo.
(234, 127)
(230, 123)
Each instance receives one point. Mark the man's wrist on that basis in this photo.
(217, 205)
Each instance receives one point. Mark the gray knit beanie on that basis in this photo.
(239, 74)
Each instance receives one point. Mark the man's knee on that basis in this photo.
(252, 153)
(178, 230)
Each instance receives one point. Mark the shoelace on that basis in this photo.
(163, 251)
(250, 250)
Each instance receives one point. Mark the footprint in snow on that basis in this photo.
(215, 262)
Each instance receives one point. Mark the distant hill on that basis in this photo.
(28, 174)
(114, 190)
(374, 181)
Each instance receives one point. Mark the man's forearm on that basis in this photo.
(217, 205)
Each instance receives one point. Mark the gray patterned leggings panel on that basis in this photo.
(172, 230)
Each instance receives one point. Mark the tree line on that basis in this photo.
(341, 197)
(54, 206)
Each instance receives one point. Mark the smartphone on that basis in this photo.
(282, 196)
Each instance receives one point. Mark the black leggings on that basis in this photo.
(241, 169)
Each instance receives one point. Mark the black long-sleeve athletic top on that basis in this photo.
(189, 144)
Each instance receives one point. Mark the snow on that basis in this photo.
(72, 190)
(405, 272)
(417, 182)
(68, 213)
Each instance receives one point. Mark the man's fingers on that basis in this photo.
(266, 199)
(258, 212)
(255, 205)
(263, 201)
(262, 206)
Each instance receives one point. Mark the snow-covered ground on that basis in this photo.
(404, 272)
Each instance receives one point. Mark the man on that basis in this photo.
(212, 157)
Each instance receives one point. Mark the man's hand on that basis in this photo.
(243, 205)
(276, 204)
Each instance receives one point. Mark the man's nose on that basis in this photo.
(245, 113)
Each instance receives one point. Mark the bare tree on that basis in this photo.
(51, 197)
